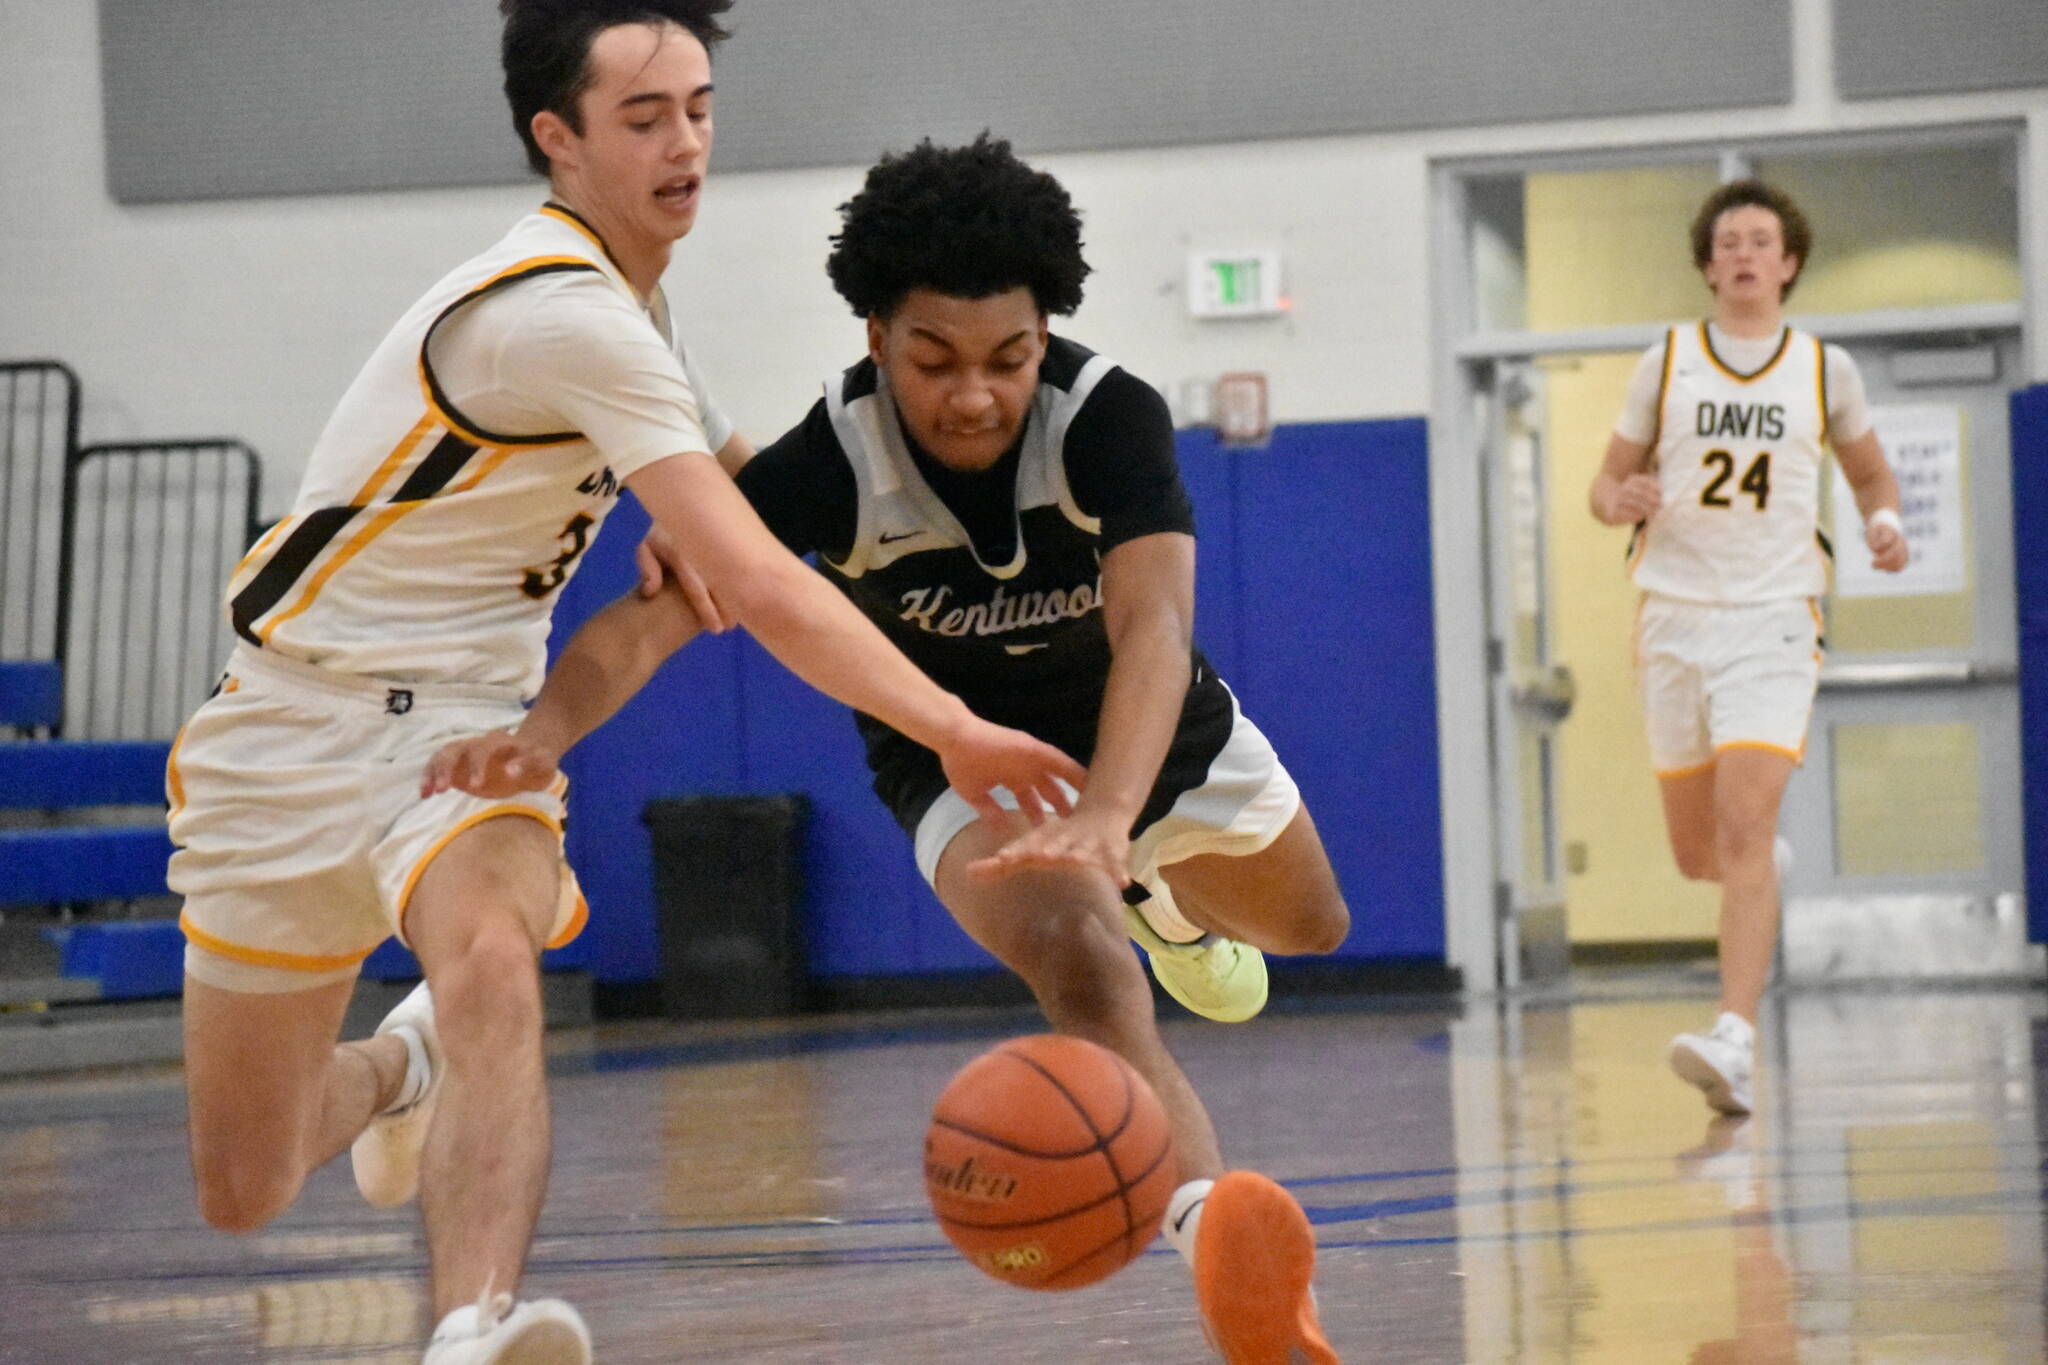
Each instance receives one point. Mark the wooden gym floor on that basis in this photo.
(1518, 1181)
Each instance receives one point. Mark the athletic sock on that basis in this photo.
(416, 1070)
(1159, 911)
(1184, 1216)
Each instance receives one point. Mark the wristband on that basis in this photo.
(1886, 516)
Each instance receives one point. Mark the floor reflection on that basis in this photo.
(1884, 1203)
(1490, 1181)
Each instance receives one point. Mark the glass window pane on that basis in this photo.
(1913, 228)
(1612, 247)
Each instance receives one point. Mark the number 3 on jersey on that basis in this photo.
(544, 580)
(1756, 480)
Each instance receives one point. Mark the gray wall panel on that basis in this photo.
(1915, 47)
(208, 98)
(806, 83)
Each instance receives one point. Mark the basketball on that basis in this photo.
(1048, 1162)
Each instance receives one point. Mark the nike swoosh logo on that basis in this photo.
(1025, 649)
(901, 535)
(1188, 1212)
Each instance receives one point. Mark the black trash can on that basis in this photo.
(727, 884)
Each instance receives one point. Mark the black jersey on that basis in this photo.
(991, 580)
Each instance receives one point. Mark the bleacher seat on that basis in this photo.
(133, 959)
(70, 863)
(82, 863)
(52, 774)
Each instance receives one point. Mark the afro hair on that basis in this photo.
(970, 222)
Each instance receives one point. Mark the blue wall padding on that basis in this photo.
(2030, 571)
(132, 959)
(101, 862)
(681, 734)
(31, 693)
(44, 774)
(1313, 599)
(1332, 598)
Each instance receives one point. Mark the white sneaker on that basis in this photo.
(386, 1156)
(502, 1332)
(1720, 1063)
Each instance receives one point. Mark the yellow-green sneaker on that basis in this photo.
(1216, 977)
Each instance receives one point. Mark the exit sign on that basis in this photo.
(1234, 284)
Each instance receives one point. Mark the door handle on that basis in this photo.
(1885, 677)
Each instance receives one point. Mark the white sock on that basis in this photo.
(1164, 916)
(1184, 1216)
(1736, 1029)
(460, 1324)
(473, 1320)
(417, 1069)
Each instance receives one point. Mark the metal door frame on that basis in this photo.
(1984, 686)
(1463, 354)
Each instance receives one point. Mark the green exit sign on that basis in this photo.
(1234, 284)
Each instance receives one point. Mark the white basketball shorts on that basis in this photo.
(1720, 677)
(1244, 802)
(300, 831)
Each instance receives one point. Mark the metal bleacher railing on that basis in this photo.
(158, 528)
(39, 406)
(113, 558)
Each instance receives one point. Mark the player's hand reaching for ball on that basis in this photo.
(1086, 838)
(979, 757)
(1635, 498)
(494, 765)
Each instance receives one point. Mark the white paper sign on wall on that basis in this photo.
(1924, 443)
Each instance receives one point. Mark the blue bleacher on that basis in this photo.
(54, 774)
(43, 865)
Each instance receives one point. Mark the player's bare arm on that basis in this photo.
(604, 664)
(1624, 491)
(1148, 605)
(825, 640)
(656, 556)
(1877, 492)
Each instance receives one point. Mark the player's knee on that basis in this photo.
(490, 986)
(1315, 928)
(1326, 930)
(236, 1197)
(1091, 982)
(1738, 842)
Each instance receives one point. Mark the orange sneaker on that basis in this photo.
(1254, 1257)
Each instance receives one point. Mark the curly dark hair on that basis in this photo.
(546, 51)
(967, 221)
(1792, 224)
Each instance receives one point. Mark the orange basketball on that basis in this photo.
(1048, 1162)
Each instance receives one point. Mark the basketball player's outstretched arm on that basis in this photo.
(805, 623)
(1148, 607)
(1877, 491)
(609, 658)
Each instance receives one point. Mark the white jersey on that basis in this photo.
(470, 464)
(1739, 458)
